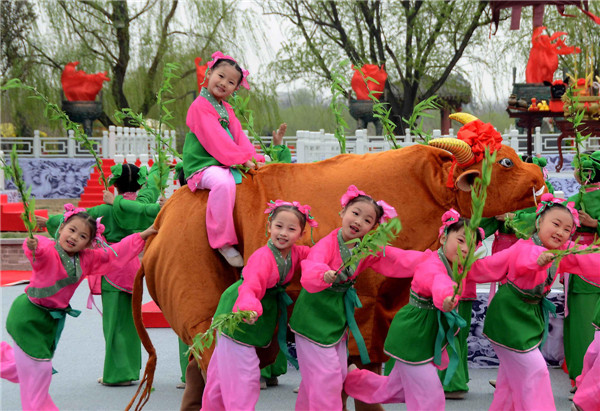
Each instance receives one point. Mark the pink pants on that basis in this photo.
(233, 377)
(33, 376)
(219, 208)
(323, 371)
(417, 385)
(587, 396)
(523, 381)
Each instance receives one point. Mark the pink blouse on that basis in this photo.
(48, 268)
(203, 121)
(261, 273)
(325, 256)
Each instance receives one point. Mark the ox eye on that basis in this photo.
(506, 162)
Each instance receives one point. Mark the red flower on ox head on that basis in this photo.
(480, 135)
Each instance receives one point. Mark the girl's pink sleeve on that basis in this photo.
(441, 287)
(397, 263)
(257, 273)
(526, 257)
(103, 260)
(316, 264)
(587, 265)
(491, 268)
(235, 127)
(302, 251)
(203, 121)
(41, 252)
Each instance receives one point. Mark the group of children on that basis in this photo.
(422, 337)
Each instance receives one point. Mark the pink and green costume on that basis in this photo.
(582, 293)
(130, 213)
(233, 378)
(587, 396)
(36, 318)
(324, 312)
(216, 144)
(417, 341)
(517, 319)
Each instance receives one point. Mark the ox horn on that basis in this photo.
(461, 150)
(462, 118)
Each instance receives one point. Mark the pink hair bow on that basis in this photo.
(350, 194)
(304, 209)
(448, 218)
(71, 210)
(389, 212)
(548, 200)
(217, 55)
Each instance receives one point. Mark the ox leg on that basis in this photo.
(194, 387)
(359, 405)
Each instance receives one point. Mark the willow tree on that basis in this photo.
(125, 37)
(420, 42)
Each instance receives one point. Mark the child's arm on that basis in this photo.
(316, 265)
(203, 121)
(257, 273)
(491, 268)
(240, 137)
(133, 215)
(587, 265)
(127, 249)
(397, 263)
(36, 250)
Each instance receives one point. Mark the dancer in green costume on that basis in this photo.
(583, 293)
(128, 212)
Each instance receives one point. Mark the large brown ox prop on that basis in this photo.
(186, 277)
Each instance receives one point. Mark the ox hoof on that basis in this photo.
(233, 257)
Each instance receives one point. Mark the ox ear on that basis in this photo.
(465, 180)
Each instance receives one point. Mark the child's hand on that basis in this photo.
(278, 135)
(545, 258)
(162, 201)
(449, 303)
(329, 276)
(32, 243)
(40, 222)
(148, 232)
(252, 319)
(505, 216)
(249, 164)
(259, 164)
(108, 197)
(587, 220)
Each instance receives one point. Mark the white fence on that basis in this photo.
(117, 141)
(306, 146)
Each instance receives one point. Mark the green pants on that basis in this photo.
(123, 353)
(578, 330)
(461, 376)
(184, 359)
(279, 367)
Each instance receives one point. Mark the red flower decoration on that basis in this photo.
(480, 135)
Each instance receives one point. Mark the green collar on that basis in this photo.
(283, 264)
(346, 254)
(445, 261)
(221, 110)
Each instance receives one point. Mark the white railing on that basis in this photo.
(306, 146)
(318, 145)
(116, 141)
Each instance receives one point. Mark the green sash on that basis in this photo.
(224, 120)
(351, 300)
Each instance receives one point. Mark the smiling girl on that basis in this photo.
(37, 317)
(215, 146)
(233, 380)
(325, 307)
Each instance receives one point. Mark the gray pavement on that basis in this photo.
(80, 354)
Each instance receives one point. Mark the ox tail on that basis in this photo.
(145, 386)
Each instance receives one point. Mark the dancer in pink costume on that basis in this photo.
(415, 339)
(233, 378)
(587, 396)
(325, 307)
(36, 318)
(215, 146)
(517, 318)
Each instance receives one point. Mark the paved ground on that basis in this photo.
(79, 360)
